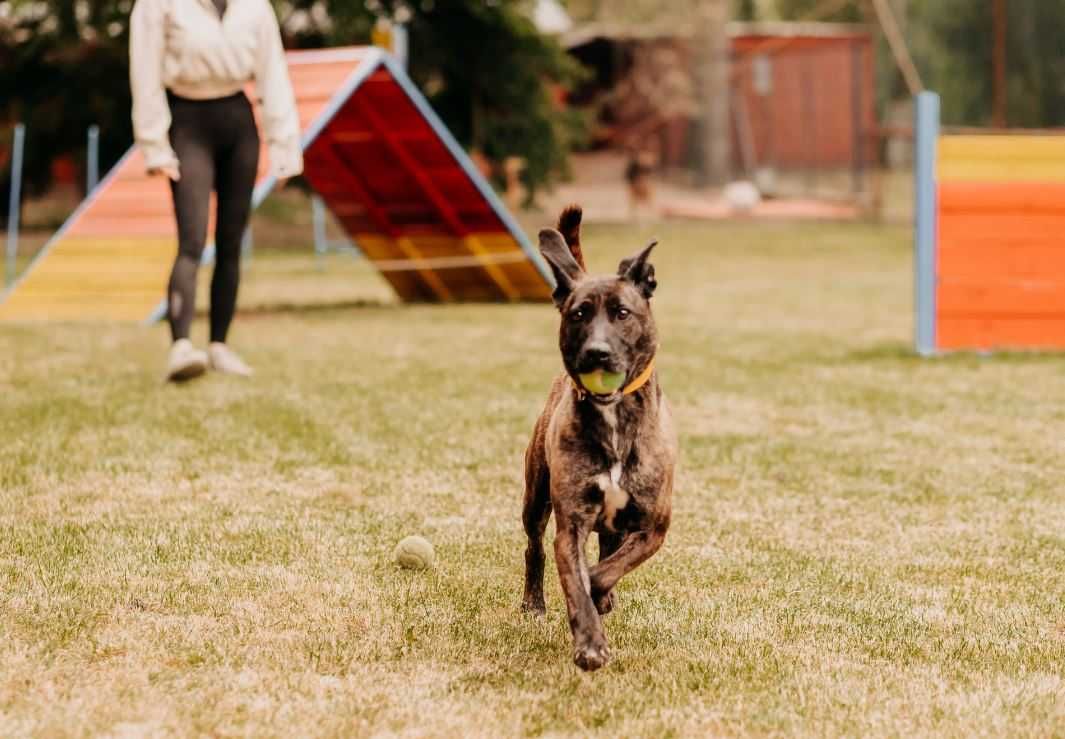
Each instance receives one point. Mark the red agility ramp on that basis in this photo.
(381, 159)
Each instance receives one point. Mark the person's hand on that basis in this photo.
(170, 171)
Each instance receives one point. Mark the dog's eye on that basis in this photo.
(623, 313)
(577, 315)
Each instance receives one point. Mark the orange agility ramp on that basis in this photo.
(377, 154)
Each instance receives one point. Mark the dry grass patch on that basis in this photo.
(864, 543)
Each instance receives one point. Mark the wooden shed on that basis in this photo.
(803, 94)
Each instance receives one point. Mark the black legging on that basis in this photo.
(217, 144)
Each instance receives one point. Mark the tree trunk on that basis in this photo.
(67, 19)
(999, 109)
(713, 79)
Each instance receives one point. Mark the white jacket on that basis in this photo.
(183, 46)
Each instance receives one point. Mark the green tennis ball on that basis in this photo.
(602, 382)
(414, 553)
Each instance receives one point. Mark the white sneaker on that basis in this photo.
(185, 362)
(225, 360)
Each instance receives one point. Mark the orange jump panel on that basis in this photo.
(1001, 265)
(1001, 332)
(1002, 197)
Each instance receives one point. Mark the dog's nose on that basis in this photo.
(595, 355)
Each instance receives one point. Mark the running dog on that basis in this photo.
(601, 458)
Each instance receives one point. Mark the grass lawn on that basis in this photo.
(863, 543)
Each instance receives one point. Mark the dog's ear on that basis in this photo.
(562, 263)
(569, 225)
(641, 273)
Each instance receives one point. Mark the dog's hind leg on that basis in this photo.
(534, 516)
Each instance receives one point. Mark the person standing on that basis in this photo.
(189, 63)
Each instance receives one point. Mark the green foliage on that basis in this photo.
(496, 94)
(951, 41)
(745, 10)
(803, 10)
(953, 46)
(59, 74)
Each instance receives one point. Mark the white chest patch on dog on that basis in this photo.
(614, 496)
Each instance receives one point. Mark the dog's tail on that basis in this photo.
(569, 225)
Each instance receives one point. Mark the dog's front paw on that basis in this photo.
(590, 657)
(535, 606)
(604, 602)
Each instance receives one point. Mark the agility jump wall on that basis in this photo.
(990, 238)
(377, 154)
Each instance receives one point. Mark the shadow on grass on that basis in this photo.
(904, 353)
(274, 309)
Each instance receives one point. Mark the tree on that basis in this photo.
(745, 10)
(797, 10)
(713, 65)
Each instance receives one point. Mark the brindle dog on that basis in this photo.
(602, 463)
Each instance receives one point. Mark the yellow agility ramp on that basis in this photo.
(375, 152)
(111, 262)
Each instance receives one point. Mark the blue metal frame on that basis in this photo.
(322, 243)
(321, 240)
(400, 44)
(926, 129)
(247, 244)
(92, 163)
(14, 202)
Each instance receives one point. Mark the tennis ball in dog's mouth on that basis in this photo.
(414, 553)
(602, 382)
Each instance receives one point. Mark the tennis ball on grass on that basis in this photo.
(602, 382)
(414, 553)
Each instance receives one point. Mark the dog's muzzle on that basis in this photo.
(597, 356)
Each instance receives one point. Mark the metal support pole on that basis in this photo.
(17, 146)
(400, 43)
(714, 85)
(321, 240)
(857, 119)
(247, 244)
(809, 121)
(999, 99)
(92, 160)
(926, 129)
